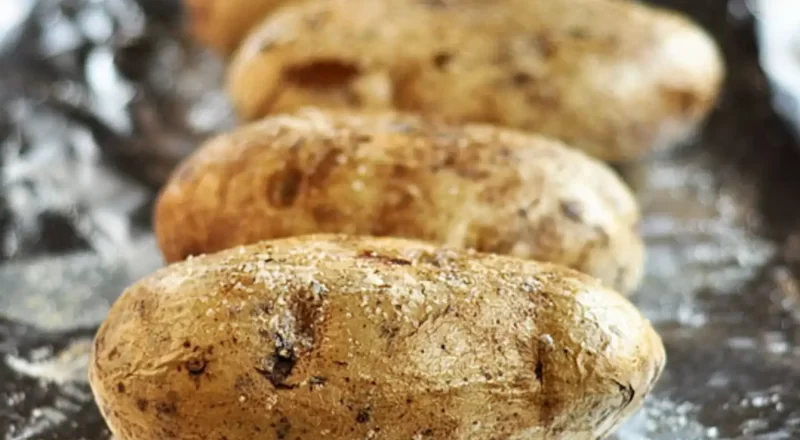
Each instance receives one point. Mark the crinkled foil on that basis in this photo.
(101, 98)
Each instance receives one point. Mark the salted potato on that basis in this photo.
(390, 174)
(615, 78)
(223, 24)
(341, 337)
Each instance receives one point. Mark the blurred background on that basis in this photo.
(101, 98)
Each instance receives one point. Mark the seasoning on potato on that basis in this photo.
(342, 337)
(223, 24)
(617, 79)
(391, 174)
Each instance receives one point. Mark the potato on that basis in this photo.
(616, 79)
(223, 24)
(391, 174)
(342, 337)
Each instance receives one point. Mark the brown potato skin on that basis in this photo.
(390, 174)
(223, 24)
(616, 79)
(343, 337)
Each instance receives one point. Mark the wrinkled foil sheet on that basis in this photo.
(101, 98)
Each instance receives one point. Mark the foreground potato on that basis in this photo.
(389, 174)
(614, 78)
(223, 24)
(357, 338)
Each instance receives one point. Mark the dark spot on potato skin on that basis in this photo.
(166, 408)
(278, 367)
(521, 79)
(142, 404)
(572, 210)
(399, 170)
(442, 59)
(362, 138)
(113, 354)
(545, 45)
(121, 388)
(141, 308)
(363, 416)
(284, 187)
(681, 99)
(196, 366)
(539, 371)
(389, 331)
(322, 74)
(579, 33)
(283, 428)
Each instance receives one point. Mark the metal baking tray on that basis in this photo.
(100, 99)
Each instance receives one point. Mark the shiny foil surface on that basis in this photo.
(101, 98)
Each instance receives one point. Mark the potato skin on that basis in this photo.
(615, 78)
(223, 24)
(344, 337)
(391, 174)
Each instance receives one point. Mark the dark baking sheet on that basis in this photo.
(100, 99)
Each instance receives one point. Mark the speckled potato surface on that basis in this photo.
(615, 78)
(342, 337)
(390, 174)
(223, 24)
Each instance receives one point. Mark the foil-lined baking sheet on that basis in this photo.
(101, 98)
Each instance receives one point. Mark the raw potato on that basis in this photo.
(615, 78)
(223, 24)
(387, 174)
(337, 337)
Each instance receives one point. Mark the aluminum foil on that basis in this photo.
(101, 98)
(779, 37)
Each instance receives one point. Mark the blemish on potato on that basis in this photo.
(283, 428)
(196, 366)
(521, 79)
(539, 371)
(545, 45)
(442, 59)
(322, 74)
(284, 186)
(142, 404)
(141, 308)
(166, 408)
(572, 210)
(363, 416)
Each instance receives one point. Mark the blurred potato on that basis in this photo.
(616, 79)
(390, 174)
